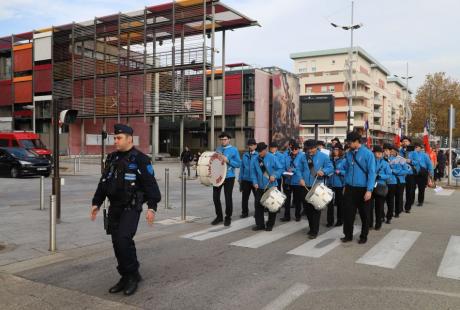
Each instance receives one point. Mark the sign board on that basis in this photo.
(456, 173)
(93, 139)
(451, 116)
(317, 110)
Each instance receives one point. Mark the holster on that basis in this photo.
(106, 221)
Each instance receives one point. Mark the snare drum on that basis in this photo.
(319, 196)
(273, 199)
(211, 169)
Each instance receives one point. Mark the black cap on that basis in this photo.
(251, 141)
(417, 144)
(225, 135)
(121, 128)
(336, 139)
(338, 146)
(387, 146)
(406, 138)
(295, 145)
(261, 146)
(273, 144)
(394, 147)
(320, 142)
(377, 148)
(353, 136)
(310, 144)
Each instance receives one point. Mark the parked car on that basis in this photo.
(27, 140)
(16, 162)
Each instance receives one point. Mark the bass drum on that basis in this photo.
(319, 196)
(211, 169)
(273, 199)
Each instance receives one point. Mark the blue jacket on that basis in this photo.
(245, 169)
(320, 162)
(399, 169)
(382, 171)
(406, 154)
(421, 160)
(280, 160)
(337, 180)
(233, 157)
(297, 166)
(272, 169)
(354, 175)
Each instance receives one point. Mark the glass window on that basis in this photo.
(4, 142)
(324, 89)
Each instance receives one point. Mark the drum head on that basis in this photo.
(218, 170)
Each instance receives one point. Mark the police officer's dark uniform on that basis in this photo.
(128, 181)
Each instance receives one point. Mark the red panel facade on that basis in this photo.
(23, 92)
(23, 60)
(233, 94)
(42, 79)
(5, 91)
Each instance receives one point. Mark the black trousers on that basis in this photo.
(287, 189)
(246, 189)
(377, 207)
(313, 216)
(299, 193)
(123, 224)
(421, 181)
(399, 198)
(337, 201)
(354, 201)
(259, 212)
(279, 181)
(410, 192)
(392, 188)
(228, 191)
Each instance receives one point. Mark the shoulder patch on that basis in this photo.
(150, 169)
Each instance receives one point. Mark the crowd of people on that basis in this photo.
(369, 181)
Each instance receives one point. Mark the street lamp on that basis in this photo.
(407, 107)
(350, 28)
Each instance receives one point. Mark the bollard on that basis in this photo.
(167, 189)
(52, 223)
(79, 163)
(183, 203)
(42, 192)
(75, 165)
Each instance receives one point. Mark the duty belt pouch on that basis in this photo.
(106, 221)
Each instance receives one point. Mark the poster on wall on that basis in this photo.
(285, 116)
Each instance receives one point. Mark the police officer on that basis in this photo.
(128, 181)
(318, 168)
(359, 171)
(245, 176)
(229, 154)
(266, 172)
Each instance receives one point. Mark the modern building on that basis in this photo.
(378, 98)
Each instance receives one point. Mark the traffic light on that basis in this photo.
(68, 116)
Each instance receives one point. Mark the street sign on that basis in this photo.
(456, 173)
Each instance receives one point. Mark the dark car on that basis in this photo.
(16, 162)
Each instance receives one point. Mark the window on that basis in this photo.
(333, 61)
(324, 89)
(308, 89)
(313, 66)
(4, 142)
(326, 130)
(332, 89)
(15, 143)
(311, 130)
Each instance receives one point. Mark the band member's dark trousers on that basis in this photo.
(313, 216)
(421, 181)
(299, 193)
(259, 212)
(392, 188)
(410, 192)
(337, 201)
(246, 188)
(378, 207)
(228, 191)
(399, 198)
(287, 189)
(122, 227)
(279, 181)
(354, 200)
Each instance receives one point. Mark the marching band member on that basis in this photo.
(287, 188)
(392, 183)
(318, 166)
(400, 169)
(266, 172)
(383, 173)
(280, 160)
(405, 150)
(423, 168)
(359, 171)
(230, 155)
(336, 183)
(245, 177)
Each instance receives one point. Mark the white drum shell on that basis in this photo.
(319, 196)
(211, 170)
(273, 199)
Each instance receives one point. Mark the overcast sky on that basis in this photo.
(423, 33)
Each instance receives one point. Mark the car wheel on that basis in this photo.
(14, 172)
(47, 175)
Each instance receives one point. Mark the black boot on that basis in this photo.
(119, 286)
(217, 220)
(131, 284)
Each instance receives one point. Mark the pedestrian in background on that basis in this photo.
(186, 158)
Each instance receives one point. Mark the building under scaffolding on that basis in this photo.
(149, 68)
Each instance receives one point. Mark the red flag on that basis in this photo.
(426, 138)
(397, 138)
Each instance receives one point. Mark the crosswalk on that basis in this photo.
(386, 253)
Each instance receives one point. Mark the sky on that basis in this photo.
(422, 33)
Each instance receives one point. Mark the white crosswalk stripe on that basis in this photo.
(220, 230)
(287, 297)
(265, 237)
(322, 244)
(450, 264)
(389, 251)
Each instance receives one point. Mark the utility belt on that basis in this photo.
(136, 203)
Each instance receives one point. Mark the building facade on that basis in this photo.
(378, 99)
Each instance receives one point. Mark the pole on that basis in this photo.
(181, 134)
(42, 192)
(406, 129)
(316, 132)
(350, 72)
(183, 198)
(223, 80)
(167, 188)
(451, 121)
(213, 71)
(79, 163)
(53, 223)
(75, 165)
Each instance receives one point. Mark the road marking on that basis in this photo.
(445, 192)
(450, 264)
(178, 220)
(287, 297)
(219, 230)
(323, 244)
(267, 237)
(389, 251)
